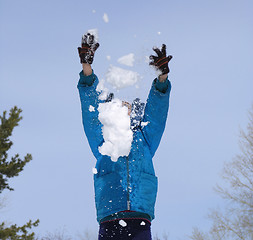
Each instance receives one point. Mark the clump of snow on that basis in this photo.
(116, 129)
(105, 18)
(158, 72)
(143, 124)
(127, 60)
(159, 33)
(102, 90)
(121, 78)
(108, 58)
(95, 33)
(91, 108)
(143, 223)
(94, 170)
(122, 223)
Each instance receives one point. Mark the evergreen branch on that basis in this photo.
(12, 168)
(18, 233)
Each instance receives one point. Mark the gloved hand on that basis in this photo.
(160, 62)
(89, 46)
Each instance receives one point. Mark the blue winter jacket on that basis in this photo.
(130, 183)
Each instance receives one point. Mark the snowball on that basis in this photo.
(91, 108)
(127, 60)
(116, 129)
(121, 78)
(105, 18)
(94, 170)
(122, 223)
(143, 223)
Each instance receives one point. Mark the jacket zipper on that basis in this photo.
(128, 186)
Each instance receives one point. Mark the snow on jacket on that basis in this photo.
(130, 183)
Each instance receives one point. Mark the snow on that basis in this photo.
(105, 18)
(120, 78)
(127, 60)
(159, 33)
(143, 223)
(95, 33)
(143, 124)
(94, 170)
(113, 115)
(108, 58)
(158, 72)
(122, 223)
(102, 90)
(91, 108)
(116, 129)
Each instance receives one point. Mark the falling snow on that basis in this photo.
(91, 108)
(120, 78)
(105, 18)
(116, 129)
(94, 170)
(122, 223)
(143, 124)
(127, 60)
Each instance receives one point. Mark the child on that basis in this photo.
(125, 190)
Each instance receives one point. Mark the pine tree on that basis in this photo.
(9, 169)
(12, 168)
(18, 233)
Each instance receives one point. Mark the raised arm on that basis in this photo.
(88, 95)
(156, 109)
(87, 70)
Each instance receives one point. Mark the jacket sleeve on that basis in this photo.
(155, 114)
(89, 104)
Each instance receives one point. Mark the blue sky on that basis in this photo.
(211, 75)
